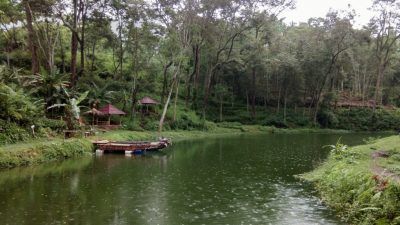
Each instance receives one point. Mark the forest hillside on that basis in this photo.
(203, 62)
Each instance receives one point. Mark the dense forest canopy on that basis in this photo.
(217, 58)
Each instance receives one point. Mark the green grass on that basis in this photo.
(41, 151)
(174, 135)
(348, 183)
(225, 128)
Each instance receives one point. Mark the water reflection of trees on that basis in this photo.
(13, 176)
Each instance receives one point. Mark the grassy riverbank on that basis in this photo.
(42, 151)
(362, 183)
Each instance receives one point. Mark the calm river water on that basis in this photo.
(244, 179)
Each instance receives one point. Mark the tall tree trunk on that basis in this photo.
(247, 101)
(7, 51)
(176, 97)
(220, 108)
(161, 123)
(135, 90)
(165, 80)
(253, 94)
(121, 50)
(324, 81)
(82, 41)
(196, 77)
(74, 43)
(279, 101)
(191, 76)
(93, 55)
(207, 91)
(31, 38)
(284, 106)
(378, 91)
(62, 69)
(265, 104)
(164, 113)
(136, 74)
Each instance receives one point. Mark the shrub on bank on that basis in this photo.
(366, 119)
(185, 120)
(349, 185)
(44, 152)
(357, 197)
(231, 125)
(12, 133)
(54, 125)
(276, 121)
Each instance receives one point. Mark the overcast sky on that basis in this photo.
(318, 8)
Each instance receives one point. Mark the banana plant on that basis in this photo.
(72, 108)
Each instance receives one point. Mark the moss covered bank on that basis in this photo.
(362, 183)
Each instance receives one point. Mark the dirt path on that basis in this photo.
(380, 172)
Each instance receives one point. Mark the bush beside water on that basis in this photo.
(360, 119)
(13, 133)
(44, 152)
(356, 119)
(347, 183)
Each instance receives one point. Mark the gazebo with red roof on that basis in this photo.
(147, 101)
(110, 110)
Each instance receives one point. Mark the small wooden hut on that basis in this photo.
(110, 110)
(95, 115)
(147, 101)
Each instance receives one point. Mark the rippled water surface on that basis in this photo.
(244, 179)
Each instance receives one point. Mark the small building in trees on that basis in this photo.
(147, 102)
(106, 112)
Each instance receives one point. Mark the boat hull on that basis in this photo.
(131, 146)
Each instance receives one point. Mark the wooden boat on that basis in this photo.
(131, 146)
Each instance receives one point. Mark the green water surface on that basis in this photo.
(247, 179)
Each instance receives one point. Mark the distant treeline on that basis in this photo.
(201, 56)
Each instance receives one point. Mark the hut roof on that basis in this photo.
(148, 101)
(111, 110)
(94, 112)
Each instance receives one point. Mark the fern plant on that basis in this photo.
(338, 150)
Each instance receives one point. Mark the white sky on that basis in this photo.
(306, 9)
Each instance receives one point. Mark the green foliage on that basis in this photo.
(133, 125)
(231, 125)
(209, 126)
(55, 125)
(44, 152)
(47, 85)
(366, 119)
(371, 140)
(12, 133)
(327, 118)
(16, 106)
(151, 125)
(276, 121)
(359, 195)
(342, 151)
(185, 120)
(72, 107)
